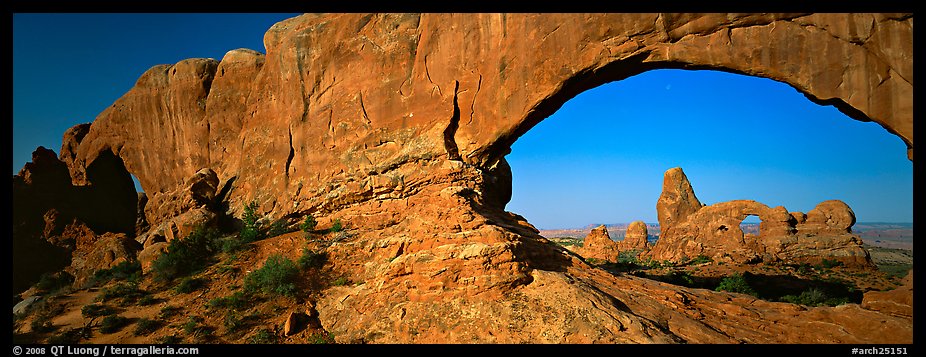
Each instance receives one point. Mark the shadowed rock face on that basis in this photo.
(398, 125)
(714, 231)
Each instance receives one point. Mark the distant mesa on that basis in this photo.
(690, 229)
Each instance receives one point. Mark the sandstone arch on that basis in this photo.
(344, 98)
(398, 124)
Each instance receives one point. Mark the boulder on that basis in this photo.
(897, 302)
(107, 251)
(203, 186)
(151, 253)
(635, 238)
(599, 245)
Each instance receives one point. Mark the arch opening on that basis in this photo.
(751, 225)
(110, 200)
(590, 78)
(639, 163)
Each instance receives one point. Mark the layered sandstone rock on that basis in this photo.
(598, 245)
(714, 231)
(636, 238)
(677, 200)
(398, 125)
(104, 252)
(302, 129)
(898, 302)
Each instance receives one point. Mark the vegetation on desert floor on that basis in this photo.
(823, 284)
(246, 310)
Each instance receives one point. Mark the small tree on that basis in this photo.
(337, 226)
(308, 225)
(185, 256)
(250, 231)
(736, 283)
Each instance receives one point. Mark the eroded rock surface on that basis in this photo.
(636, 238)
(714, 231)
(398, 125)
(599, 245)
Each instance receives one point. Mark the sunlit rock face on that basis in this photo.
(824, 233)
(398, 124)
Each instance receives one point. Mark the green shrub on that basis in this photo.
(276, 277)
(308, 225)
(168, 311)
(236, 301)
(147, 300)
(312, 259)
(263, 336)
(277, 228)
(231, 244)
(701, 259)
(96, 310)
(735, 283)
(681, 278)
(170, 340)
(186, 256)
(43, 311)
(127, 293)
(193, 327)
(54, 282)
(321, 338)
(336, 226)
(188, 285)
(127, 270)
(829, 264)
(232, 321)
(42, 324)
(250, 229)
(145, 326)
(804, 269)
(628, 257)
(814, 297)
(340, 281)
(113, 323)
(70, 336)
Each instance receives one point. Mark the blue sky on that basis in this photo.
(599, 159)
(67, 68)
(602, 156)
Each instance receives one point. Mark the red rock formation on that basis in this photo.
(714, 231)
(599, 245)
(677, 200)
(40, 206)
(635, 238)
(104, 252)
(898, 302)
(299, 123)
(398, 125)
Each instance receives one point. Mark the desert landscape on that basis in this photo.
(349, 186)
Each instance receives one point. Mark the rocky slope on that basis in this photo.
(398, 124)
